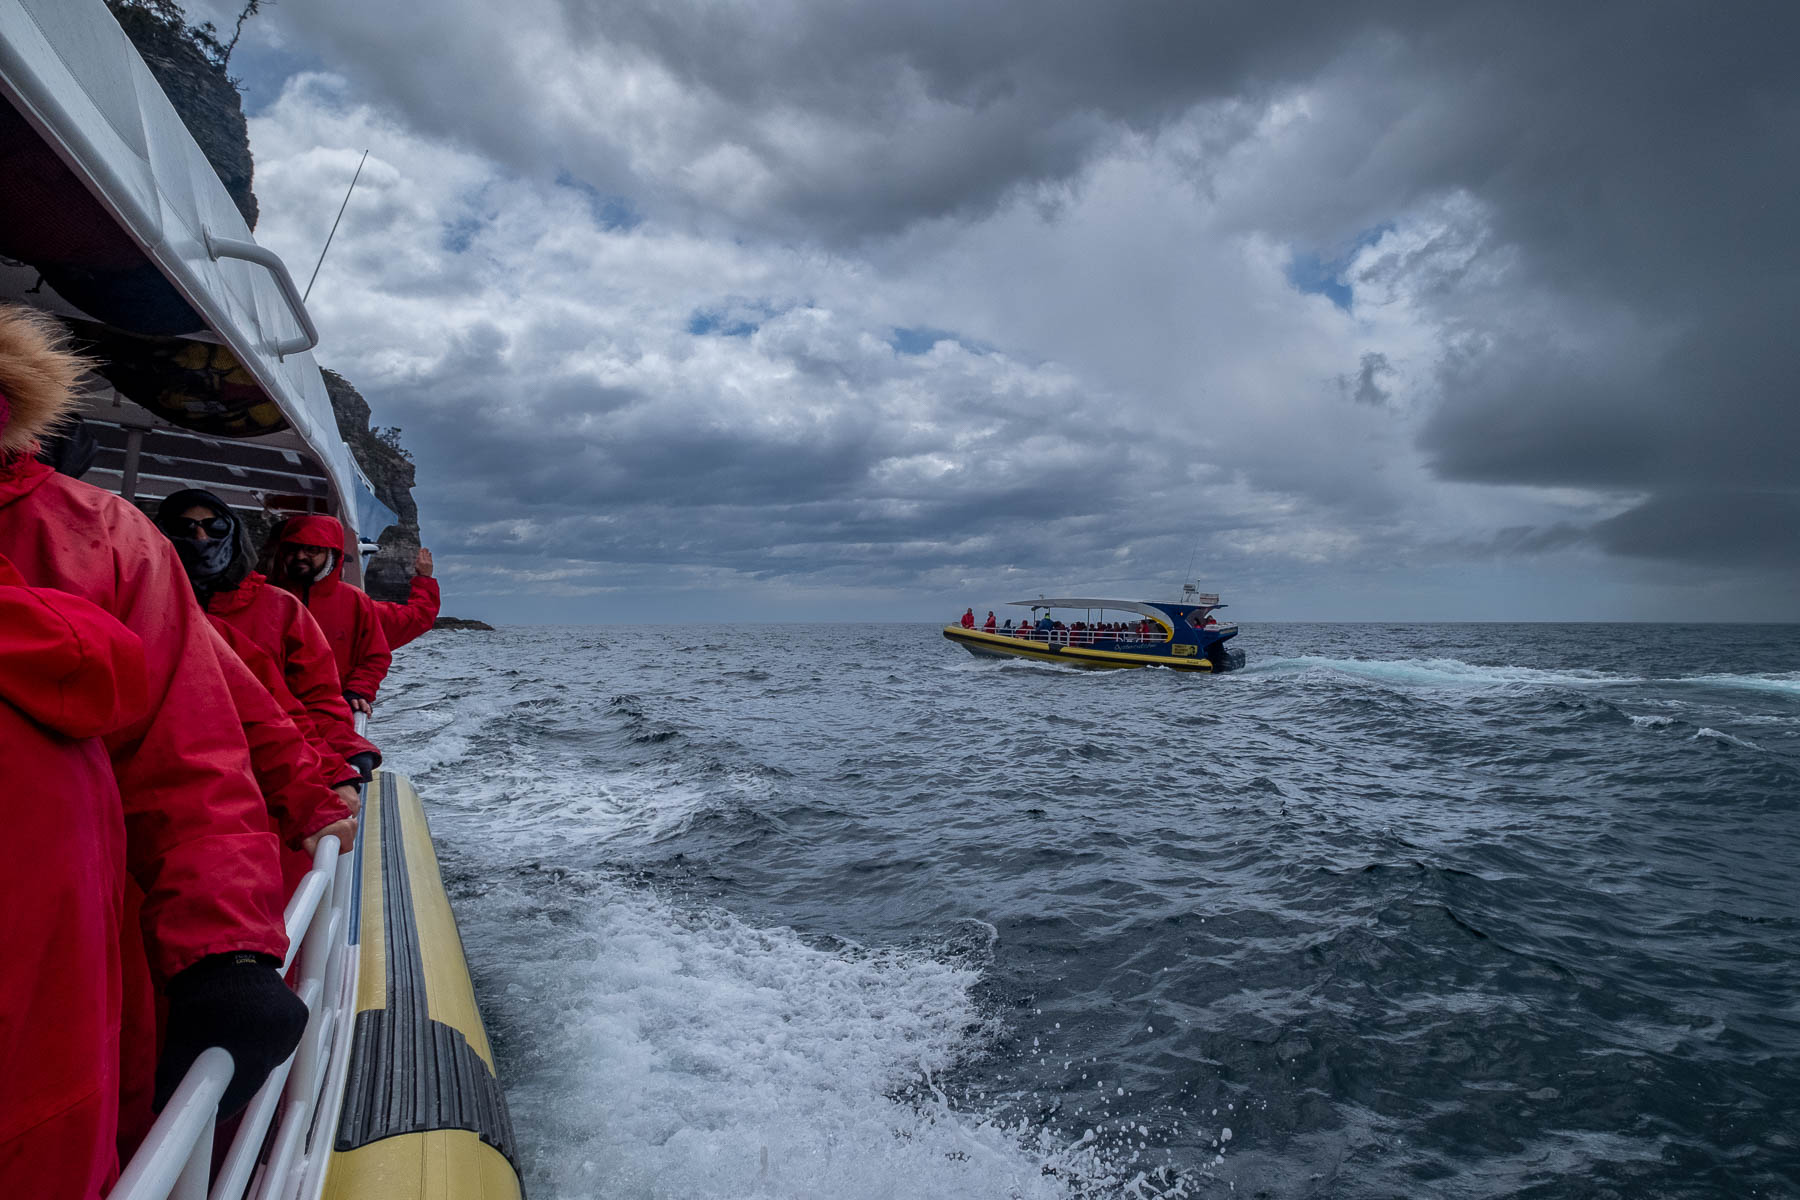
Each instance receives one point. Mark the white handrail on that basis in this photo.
(168, 1165)
(176, 1155)
(223, 247)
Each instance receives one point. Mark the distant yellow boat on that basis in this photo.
(1182, 635)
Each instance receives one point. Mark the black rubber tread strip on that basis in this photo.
(409, 1073)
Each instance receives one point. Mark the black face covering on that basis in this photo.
(206, 560)
(214, 563)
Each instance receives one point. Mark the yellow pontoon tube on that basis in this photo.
(422, 1112)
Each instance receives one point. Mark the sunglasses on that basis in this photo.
(212, 527)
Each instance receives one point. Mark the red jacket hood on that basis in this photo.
(65, 662)
(316, 529)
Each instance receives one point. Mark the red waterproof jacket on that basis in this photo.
(404, 622)
(333, 770)
(68, 673)
(279, 627)
(288, 769)
(295, 783)
(197, 837)
(345, 613)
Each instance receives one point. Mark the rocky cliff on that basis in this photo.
(390, 469)
(183, 59)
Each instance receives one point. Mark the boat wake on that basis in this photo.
(1784, 683)
(1451, 672)
(669, 1050)
(1434, 672)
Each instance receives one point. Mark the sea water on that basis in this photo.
(1399, 910)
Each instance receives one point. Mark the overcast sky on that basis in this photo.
(789, 310)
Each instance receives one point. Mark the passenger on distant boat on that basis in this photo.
(989, 625)
(968, 618)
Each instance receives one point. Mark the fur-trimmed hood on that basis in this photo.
(38, 374)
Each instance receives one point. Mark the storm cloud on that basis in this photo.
(928, 298)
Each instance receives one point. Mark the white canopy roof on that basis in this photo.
(73, 73)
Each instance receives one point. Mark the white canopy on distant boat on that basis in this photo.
(1136, 606)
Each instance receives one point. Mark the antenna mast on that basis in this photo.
(334, 225)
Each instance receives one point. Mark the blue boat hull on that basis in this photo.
(1176, 656)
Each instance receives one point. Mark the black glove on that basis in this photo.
(365, 761)
(237, 1001)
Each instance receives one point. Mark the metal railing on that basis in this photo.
(1098, 638)
(177, 1154)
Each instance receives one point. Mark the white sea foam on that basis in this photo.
(1451, 672)
(687, 1053)
(1726, 737)
(559, 808)
(1439, 672)
(1648, 721)
(1782, 683)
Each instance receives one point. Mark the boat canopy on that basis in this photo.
(1154, 612)
(122, 224)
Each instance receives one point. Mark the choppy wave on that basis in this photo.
(878, 919)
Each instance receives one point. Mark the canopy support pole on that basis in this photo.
(134, 443)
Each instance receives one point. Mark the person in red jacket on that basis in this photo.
(968, 618)
(68, 673)
(197, 838)
(404, 622)
(215, 551)
(305, 556)
(333, 771)
(303, 807)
